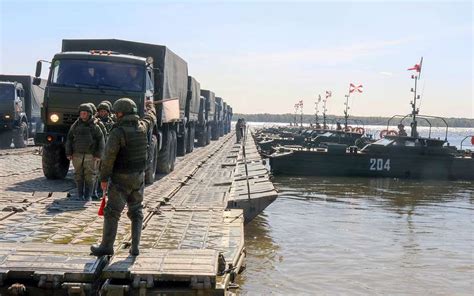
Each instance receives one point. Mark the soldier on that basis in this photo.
(84, 146)
(401, 130)
(104, 115)
(124, 164)
(238, 130)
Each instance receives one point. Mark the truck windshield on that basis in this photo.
(7, 92)
(98, 74)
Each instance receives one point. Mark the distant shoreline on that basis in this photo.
(365, 120)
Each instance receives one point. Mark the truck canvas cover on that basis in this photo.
(194, 95)
(33, 94)
(219, 115)
(171, 80)
(210, 103)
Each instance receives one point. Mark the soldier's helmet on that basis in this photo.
(103, 106)
(108, 103)
(93, 107)
(125, 105)
(85, 107)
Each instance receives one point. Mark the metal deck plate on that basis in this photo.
(32, 260)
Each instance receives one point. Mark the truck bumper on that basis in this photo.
(6, 125)
(49, 138)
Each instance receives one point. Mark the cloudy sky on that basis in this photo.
(264, 56)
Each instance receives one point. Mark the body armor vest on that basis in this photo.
(83, 141)
(133, 156)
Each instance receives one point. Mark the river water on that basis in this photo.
(361, 236)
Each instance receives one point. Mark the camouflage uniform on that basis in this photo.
(85, 143)
(124, 164)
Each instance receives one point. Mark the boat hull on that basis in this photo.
(315, 163)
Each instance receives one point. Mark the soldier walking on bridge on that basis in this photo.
(124, 164)
(84, 146)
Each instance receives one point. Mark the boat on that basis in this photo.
(395, 155)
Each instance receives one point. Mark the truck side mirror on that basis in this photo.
(39, 64)
(36, 81)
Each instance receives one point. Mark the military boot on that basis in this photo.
(80, 189)
(136, 234)
(106, 247)
(88, 191)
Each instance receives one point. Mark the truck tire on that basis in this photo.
(174, 145)
(208, 134)
(191, 135)
(182, 143)
(163, 165)
(5, 139)
(202, 135)
(55, 163)
(215, 132)
(150, 171)
(221, 129)
(20, 136)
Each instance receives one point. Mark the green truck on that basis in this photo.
(20, 103)
(191, 118)
(92, 70)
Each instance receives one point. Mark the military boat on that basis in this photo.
(395, 155)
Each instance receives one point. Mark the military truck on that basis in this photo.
(208, 122)
(224, 118)
(20, 105)
(190, 115)
(229, 118)
(218, 132)
(92, 70)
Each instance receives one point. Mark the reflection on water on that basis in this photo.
(362, 236)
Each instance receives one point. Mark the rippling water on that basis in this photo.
(362, 236)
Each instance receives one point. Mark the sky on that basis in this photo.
(265, 56)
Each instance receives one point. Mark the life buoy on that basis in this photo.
(348, 128)
(360, 130)
(384, 133)
(392, 133)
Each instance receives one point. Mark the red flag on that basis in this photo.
(353, 88)
(328, 94)
(417, 68)
(102, 206)
(472, 140)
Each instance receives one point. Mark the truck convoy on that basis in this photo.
(93, 70)
(20, 103)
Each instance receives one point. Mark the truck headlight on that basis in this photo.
(54, 117)
(7, 116)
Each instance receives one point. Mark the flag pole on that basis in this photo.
(301, 113)
(415, 111)
(346, 112)
(316, 109)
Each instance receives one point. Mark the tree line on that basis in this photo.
(365, 120)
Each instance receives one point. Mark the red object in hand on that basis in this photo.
(102, 206)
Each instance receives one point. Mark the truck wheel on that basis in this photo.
(182, 143)
(209, 134)
(55, 163)
(174, 145)
(215, 132)
(20, 136)
(150, 172)
(191, 134)
(201, 140)
(163, 165)
(5, 139)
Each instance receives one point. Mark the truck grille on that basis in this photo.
(69, 118)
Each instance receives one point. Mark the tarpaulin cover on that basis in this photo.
(210, 103)
(170, 81)
(33, 94)
(194, 95)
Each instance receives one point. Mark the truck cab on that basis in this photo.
(12, 114)
(80, 77)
